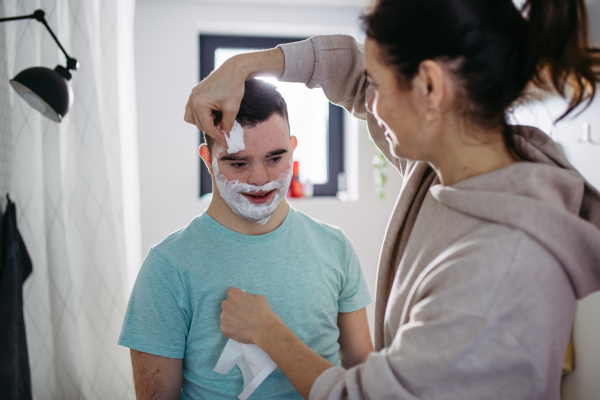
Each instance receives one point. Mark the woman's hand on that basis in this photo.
(246, 317)
(223, 90)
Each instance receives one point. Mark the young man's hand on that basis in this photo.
(246, 317)
(249, 319)
(223, 90)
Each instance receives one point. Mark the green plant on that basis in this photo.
(380, 172)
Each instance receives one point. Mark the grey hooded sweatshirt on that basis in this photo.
(477, 282)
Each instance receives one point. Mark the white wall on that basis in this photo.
(167, 68)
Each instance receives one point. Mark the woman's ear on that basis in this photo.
(433, 88)
(206, 157)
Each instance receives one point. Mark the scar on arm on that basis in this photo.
(155, 377)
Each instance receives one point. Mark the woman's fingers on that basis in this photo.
(188, 115)
(227, 122)
(221, 91)
(203, 123)
(207, 124)
(229, 113)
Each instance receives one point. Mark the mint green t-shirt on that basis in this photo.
(307, 270)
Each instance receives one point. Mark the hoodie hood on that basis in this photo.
(547, 199)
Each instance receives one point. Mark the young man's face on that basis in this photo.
(266, 158)
(265, 162)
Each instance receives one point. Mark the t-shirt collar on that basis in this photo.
(206, 221)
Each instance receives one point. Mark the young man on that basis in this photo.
(249, 238)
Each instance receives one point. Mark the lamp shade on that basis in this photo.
(45, 90)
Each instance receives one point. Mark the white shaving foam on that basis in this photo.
(231, 192)
(235, 138)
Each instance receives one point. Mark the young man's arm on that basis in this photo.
(155, 377)
(355, 338)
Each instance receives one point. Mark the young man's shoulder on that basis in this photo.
(178, 237)
(305, 224)
(187, 240)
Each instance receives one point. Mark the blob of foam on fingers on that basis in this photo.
(235, 138)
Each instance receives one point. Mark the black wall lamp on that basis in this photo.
(44, 89)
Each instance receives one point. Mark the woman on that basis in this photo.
(494, 236)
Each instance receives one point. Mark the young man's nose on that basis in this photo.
(259, 176)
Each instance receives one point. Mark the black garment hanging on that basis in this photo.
(15, 267)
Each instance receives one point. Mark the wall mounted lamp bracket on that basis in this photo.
(44, 89)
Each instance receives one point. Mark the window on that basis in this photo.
(316, 123)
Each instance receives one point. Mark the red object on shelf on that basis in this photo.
(295, 185)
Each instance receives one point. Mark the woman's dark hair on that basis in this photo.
(498, 50)
(261, 100)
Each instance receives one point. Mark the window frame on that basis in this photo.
(335, 130)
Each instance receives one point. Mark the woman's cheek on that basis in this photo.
(377, 109)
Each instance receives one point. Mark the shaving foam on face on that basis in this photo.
(231, 192)
(235, 138)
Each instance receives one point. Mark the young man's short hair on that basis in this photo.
(261, 100)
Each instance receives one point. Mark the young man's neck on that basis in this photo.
(220, 212)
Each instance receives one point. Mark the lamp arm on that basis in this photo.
(40, 15)
(16, 18)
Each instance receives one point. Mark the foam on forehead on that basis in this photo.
(235, 139)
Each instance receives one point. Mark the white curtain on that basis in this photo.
(75, 185)
(6, 146)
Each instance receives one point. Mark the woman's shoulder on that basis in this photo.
(495, 249)
(496, 267)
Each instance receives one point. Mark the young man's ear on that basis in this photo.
(206, 157)
(294, 143)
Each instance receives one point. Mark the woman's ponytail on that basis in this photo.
(557, 53)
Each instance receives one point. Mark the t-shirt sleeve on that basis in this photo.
(354, 294)
(157, 319)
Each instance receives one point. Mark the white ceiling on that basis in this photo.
(301, 3)
(593, 6)
(308, 3)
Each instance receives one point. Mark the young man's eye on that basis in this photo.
(237, 165)
(275, 159)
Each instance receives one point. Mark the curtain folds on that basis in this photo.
(76, 188)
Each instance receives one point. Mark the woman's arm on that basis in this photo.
(332, 62)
